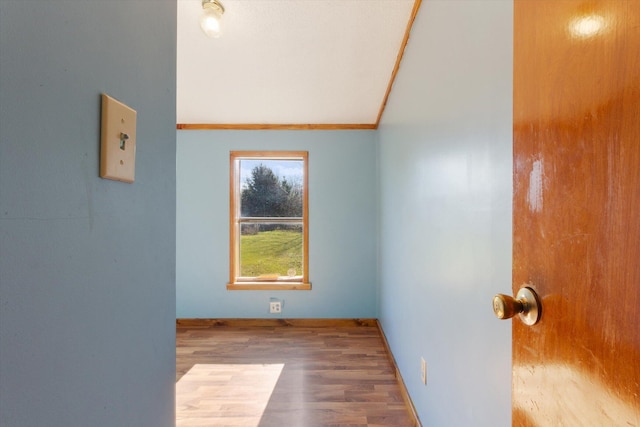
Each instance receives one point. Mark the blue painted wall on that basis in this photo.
(445, 212)
(342, 225)
(87, 266)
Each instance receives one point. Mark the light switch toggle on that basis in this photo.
(123, 140)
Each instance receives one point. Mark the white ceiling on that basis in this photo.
(289, 61)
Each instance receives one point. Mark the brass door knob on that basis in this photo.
(526, 304)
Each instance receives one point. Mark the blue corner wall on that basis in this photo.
(87, 266)
(342, 225)
(445, 212)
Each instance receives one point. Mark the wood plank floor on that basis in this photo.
(286, 376)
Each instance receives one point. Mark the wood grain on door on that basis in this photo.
(576, 211)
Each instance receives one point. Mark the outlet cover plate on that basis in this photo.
(275, 307)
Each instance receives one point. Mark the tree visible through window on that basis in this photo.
(268, 201)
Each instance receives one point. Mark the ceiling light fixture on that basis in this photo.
(212, 11)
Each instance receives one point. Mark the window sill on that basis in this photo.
(268, 286)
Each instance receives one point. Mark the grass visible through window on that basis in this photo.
(271, 253)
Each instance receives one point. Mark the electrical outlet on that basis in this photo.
(423, 370)
(275, 307)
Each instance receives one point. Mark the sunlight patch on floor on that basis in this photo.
(225, 394)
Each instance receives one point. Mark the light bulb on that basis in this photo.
(211, 17)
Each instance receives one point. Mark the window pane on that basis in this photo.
(271, 251)
(271, 188)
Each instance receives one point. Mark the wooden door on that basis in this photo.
(576, 211)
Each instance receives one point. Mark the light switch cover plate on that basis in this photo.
(118, 141)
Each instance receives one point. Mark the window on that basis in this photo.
(269, 220)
